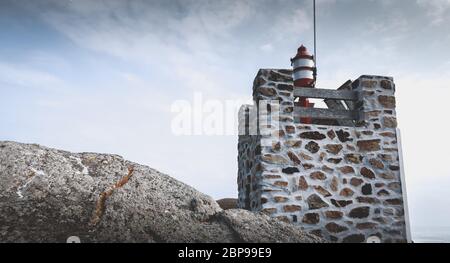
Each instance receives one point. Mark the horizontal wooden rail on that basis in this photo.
(303, 112)
(326, 94)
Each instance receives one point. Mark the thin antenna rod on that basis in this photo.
(315, 40)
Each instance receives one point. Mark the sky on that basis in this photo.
(102, 76)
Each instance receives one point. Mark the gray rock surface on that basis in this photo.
(228, 203)
(47, 195)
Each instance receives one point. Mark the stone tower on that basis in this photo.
(341, 180)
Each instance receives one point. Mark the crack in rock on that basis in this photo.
(101, 202)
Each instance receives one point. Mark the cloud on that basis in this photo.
(14, 76)
(293, 23)
(194, 27)
(193, 43)
(266, 47)
(143, 25)
(438, 10)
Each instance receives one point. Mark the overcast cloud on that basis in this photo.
(101, 76)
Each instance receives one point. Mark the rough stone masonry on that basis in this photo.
(340, 183)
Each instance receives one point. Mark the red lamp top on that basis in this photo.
(302, 52)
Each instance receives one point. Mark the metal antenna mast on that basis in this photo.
(315, 45)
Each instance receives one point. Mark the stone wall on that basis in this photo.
(249, 170)
(340, 183)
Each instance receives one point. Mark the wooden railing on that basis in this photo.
(326, 94)
(334, 99)
(315, 113)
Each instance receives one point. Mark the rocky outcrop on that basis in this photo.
(47, 195)
(228, 203)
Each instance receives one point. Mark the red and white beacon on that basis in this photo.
(304, 76)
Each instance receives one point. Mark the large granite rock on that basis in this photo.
(228, 203)
(47, 195)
